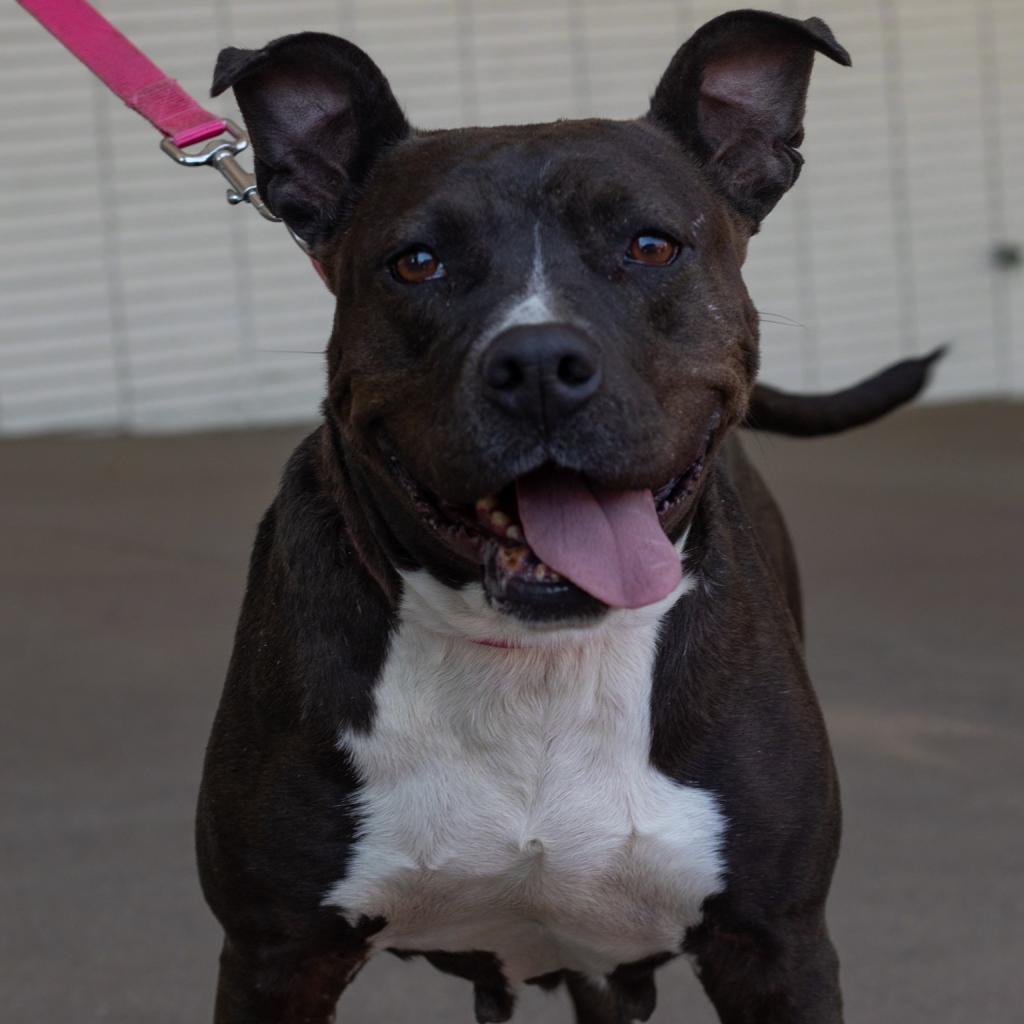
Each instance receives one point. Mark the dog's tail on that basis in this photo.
(814, 415)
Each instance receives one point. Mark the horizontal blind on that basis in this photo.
(132, 297)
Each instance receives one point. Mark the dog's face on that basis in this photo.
(562, 301)
(541, 332)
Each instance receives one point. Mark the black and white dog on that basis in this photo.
(518, 682)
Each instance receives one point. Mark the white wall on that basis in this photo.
(132, 296)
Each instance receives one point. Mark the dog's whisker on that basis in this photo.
(779, 320)
(781, 316)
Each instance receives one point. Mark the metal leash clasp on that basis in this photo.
(220, 154)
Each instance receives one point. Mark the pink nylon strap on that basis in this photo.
(126, 70)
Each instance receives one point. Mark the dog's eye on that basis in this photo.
(414, 266)
(652, 250)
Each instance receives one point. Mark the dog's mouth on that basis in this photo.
(556, 544)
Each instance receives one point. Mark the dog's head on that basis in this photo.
(541, 331)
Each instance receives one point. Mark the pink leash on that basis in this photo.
(132, 76)
(126, 70)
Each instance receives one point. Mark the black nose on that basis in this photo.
(542, 372)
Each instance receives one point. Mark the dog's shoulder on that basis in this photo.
(310, 642)
(731, 691)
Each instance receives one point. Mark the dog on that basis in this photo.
(518, 682)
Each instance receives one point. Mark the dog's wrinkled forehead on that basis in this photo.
(508, 191)
(544, 165)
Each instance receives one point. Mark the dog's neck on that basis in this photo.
(463, 613)
(357, 512)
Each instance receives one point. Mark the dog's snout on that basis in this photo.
(541, 372)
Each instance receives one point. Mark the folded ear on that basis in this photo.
(734, 94)
(319, 112)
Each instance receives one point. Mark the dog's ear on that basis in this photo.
(319, 112)
(734, 94)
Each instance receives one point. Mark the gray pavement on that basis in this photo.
(121, 570)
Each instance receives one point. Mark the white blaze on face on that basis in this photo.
(536, 303)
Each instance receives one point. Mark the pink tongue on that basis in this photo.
(609, 543)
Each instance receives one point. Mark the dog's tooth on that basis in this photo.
(499, 519)
(545, 574)
(487, 504)
(514, 533)
(512, 558)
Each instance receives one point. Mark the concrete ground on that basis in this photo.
(120, 577)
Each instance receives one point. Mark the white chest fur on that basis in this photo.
(509, 803)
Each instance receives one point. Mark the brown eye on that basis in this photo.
(652, 250)
(415, 266)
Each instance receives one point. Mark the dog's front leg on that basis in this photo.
(263, 984)
(628, 994)
(787, 974)
(593, 1004)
